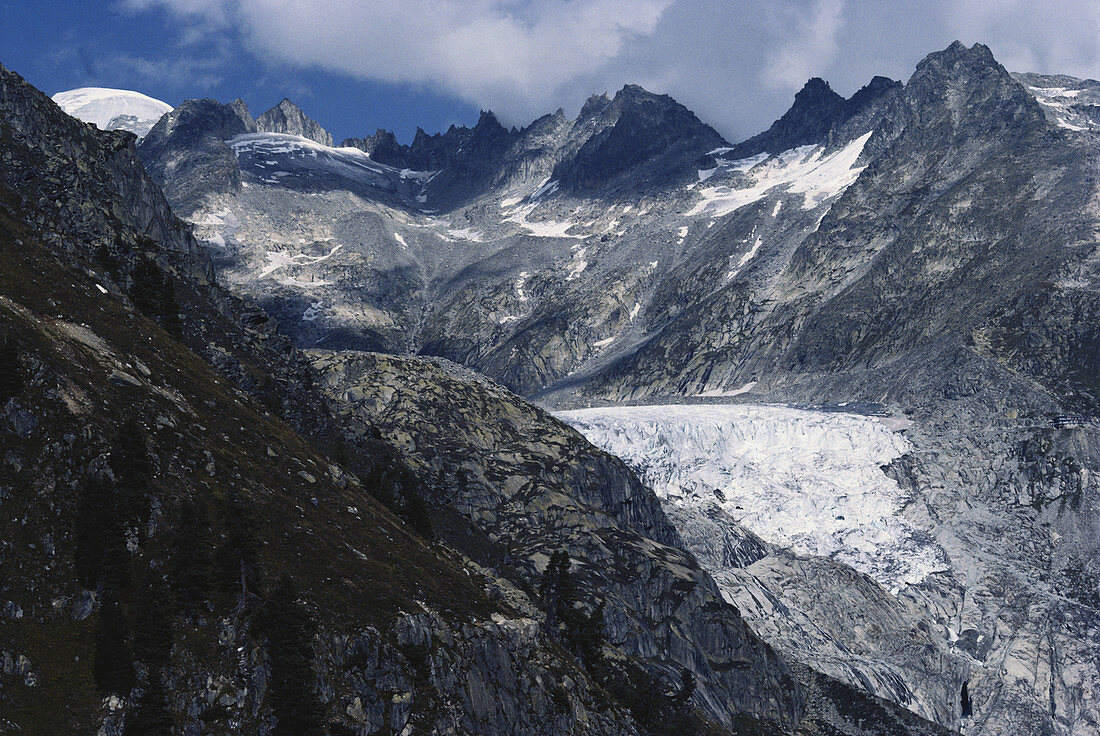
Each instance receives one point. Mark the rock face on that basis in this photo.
(518, 501)
(190, 143)
(530, 499)
(288, 118)
(634, 128)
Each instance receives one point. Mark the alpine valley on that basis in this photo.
(600, 426)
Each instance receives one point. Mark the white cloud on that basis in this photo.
(734, 62)
(508, 55)
(812, 45)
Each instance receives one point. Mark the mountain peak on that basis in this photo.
(287, 117)
(240, 107)
(635, 127)
(957, 55)
(593, 106)
(970, 84)
(488, 120)
(633, 90)
(816, 87)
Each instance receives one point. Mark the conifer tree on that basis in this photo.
(152, 624)
(292, 689)
(154, 295)
(151, 716)
(132, 466)
(237, 559)
(589, 637)
(415, 513)
(112, 665)
(190, 562)
(94, 506)
(11, 375)
(557, 591)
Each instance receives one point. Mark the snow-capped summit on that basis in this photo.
(113, 109)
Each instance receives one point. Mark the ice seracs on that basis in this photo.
(809, 481)
(113, 109)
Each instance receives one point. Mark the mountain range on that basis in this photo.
(847, 370)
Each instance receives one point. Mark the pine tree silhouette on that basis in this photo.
(152, 623)
(154, 295)
(415, 513)
(91, 527)
(237, 559)
(190, 562)
(151, 716)
(292, 690)
(589, 636)
(11, 375)
(112, 665)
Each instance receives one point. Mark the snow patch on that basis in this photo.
(218, 228)
(804, 170)
(278, 259)
(1058, 103)
(465, 234)
(578, 264)
(748, 256)
(345, 160)
(542, 228)
(735, 392)
(520, 282)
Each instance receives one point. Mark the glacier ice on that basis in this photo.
(809, 481)
(111, 109)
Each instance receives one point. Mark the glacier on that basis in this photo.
(113, 109)
(805, 480)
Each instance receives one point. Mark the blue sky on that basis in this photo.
(62, 44)
(357, 65)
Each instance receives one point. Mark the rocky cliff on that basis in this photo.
(510, 503)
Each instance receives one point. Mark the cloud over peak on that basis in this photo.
(735, 62)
